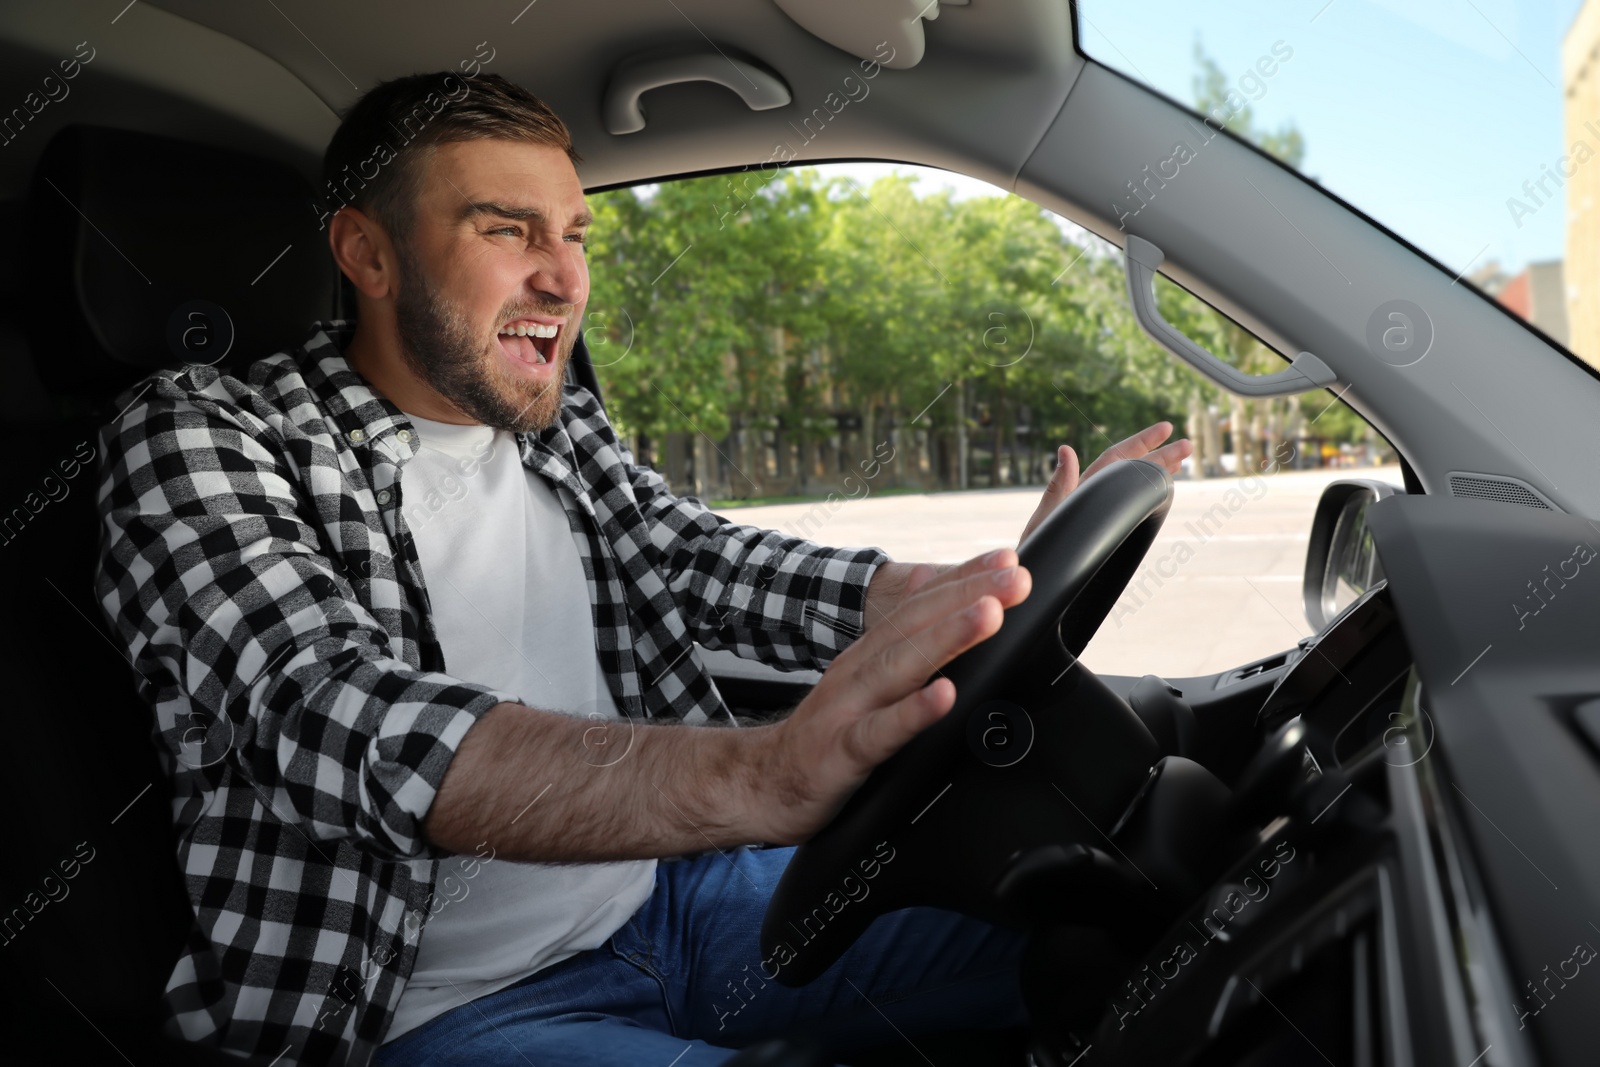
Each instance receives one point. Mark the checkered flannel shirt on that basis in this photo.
(256, 566)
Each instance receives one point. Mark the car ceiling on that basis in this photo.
(273, 75)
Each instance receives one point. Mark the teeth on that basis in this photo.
(530, 330)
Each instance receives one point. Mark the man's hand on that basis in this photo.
(683, 789)
(872, 699)
(1142, 444)
(891, 582)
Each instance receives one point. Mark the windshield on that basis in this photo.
(1468, 127)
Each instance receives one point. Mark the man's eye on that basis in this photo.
(582, 239)
(512, 230)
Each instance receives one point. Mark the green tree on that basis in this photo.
(768, 309)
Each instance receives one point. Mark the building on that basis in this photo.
(1539, 295)
(1580, 76)
(1489, 277)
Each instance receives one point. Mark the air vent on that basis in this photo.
(1498, 487)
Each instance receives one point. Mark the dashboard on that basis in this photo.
(1422, 886)
(1420, 883)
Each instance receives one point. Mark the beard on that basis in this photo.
(442, 347)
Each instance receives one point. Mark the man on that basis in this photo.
(393, 861)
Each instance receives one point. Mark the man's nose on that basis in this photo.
(561, 277)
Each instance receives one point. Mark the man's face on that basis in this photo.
(496, 244)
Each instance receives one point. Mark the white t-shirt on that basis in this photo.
(511, 607)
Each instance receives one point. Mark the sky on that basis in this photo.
(1428, 115)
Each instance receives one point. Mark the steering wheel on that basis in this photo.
(1036, 751)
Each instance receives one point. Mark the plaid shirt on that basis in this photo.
(256, 566)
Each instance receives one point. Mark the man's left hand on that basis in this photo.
(893, 582)
(1143, 444)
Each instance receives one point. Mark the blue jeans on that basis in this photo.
(680, 984)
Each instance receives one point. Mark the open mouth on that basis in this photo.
(528, 341)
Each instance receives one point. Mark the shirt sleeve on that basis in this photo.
(784, 600)
(264, 662)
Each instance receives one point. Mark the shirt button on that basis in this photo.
(405, 436)
(357, 436)
(383, 496)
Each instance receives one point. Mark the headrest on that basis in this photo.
(130, 234)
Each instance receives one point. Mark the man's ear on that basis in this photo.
(363, 251)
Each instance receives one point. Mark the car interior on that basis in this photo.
(1368, 848)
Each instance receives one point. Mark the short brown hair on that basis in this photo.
(374, 160)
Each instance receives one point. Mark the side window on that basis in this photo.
(867, 356)
(1222, 584)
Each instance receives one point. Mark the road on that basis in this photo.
(1221, 585)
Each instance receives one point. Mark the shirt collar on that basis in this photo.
(363, 415)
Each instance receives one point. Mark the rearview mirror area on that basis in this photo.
(1341, 561)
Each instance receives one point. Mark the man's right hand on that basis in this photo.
(872, 699)
(677, 789)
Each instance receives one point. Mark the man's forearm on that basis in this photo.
(543, 787)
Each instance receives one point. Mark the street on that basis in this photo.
(1221, 585)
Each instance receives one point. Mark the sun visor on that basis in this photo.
(860, 27)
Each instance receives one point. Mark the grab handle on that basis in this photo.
(1304, 373)
(758, 87)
